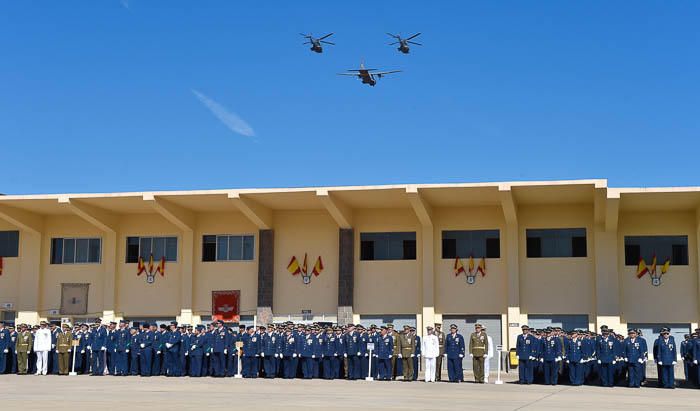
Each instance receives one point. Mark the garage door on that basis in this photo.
(381, 319)
(565, 321)
(650, 332)
(465, 324)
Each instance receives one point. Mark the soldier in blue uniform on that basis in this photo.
(694, 353)
(135, 351)
(550, 356)
(268, 351)
(605, 353)
(634, 356)
(251, 353)
(687, 356)
(292, 348)
(318, 351)
(328, 353)
(575, 358)
(99, 348)
(53, 354)
(196, 347)
(121, 346)
(416, 359)
(665, 355)
(526, 352)
(111, 348)
(454, 351)
(11, 356)
(172, 349)
(5, 345)
(307, 354)
(219, 343)
(384, 351)
(234, 337)
(145, 342)
(352, 353)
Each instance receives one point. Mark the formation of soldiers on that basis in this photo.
(550, 356)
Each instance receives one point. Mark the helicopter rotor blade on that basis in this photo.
(326, 36)
(393, 35)
(308, 36)
(391, 44)
(414, 36)
(327, 42)
(413, 42)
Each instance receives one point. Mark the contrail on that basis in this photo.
(229, 118)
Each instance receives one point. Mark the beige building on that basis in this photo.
(554, 253)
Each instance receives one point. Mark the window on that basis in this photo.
(477, 243)
(556, 242)
(75, 250)
(388, 246)
(144, 247)
(674, 247)
(9, 243)
(228, 247)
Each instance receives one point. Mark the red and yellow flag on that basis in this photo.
(652, 270)
(459, 267)
(667, 264)
(318, 267)
(641, 268)
(303, 266)
(141, 267)
(471, 264)
(161, 267)
(150, 264)
(482, 267)
(293, 266)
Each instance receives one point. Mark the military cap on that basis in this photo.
(262, 327)
(163, 326)
(122, 321)
(453, 326)
(406, 326)
(429, 328)
(112, 323)
(200, 327)
(631, 330)
(686, 336)
(603, 328)
(250, 327)
(241, 326)
(98, 320)
(697, 330)
(66, 325)
(438, 324)
(390, 325)
(665, 330)
(525, 327)
(372, 326)
(478, 325)
(384, 327)
(173, 323)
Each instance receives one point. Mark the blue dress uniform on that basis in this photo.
(634, 356)
(4, 348)
(231, 357)
(53, 360)
(219, 343)
(111, 350)
(172, 351)
(184, 352)
(589, 354)
(12, 358)
(122, 348)
(352, 351)
(318, 354)
(550, 355)
(327, 342)
(416, 359)
(251, 353)
(82, 355)
(340, 353)
(384, 351)
(99, 350)
(307, 355)
(146, 345)
(136, 353)
(665, 355)
(525, 349)
(696, 357)
(292, 346)
(454, 350)
(575, 357)
(364, 355)
(158, 363)
(268, 351)
(196, 348)
(687, 356)
(605, 352)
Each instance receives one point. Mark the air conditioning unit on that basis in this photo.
(7, 306)
(53, 312)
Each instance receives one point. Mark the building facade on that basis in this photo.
(540, 253)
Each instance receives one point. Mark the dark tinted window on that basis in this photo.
(209, 248)
(9, 243)
(476, 243)
(388, 246)
(75, 250)
(158, 247)
(228, 247)
(556, 242)
(674, 247)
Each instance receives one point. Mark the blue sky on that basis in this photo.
(114, 95)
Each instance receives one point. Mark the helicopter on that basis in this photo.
(368, 76)
(316, 42)
(403, 43)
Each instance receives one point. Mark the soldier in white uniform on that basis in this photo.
(42, 346)
(489, 355)
(430, 351)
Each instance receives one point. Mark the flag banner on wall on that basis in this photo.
(318, 267)
(459, 267)
(642, 269)
(74, 299)
(225, 305)
(482, 267)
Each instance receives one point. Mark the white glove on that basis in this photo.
(599, 362)
(558, 359)
(225, 351)
(168, 345)
(82, 351)
(256, 355)
(68, 350)
(486, 357)
(53, 346)
(567, 361)
(143, 345)
(614, 362)
(207, 354)
(262, 354)
(15, 351)
(359, 354)
(418, 355)
(641, 361)
(5, 351)
(276, 355)
(471, 355)
(335, 354)
(444, 355)
(115, 350)
(89, 347)
(400, 356)
(295, 355)
(186, 353)
(313, 356)
(345, 355)
(158, 352)
(412, 355)
(194, 347)
(366, 354)
(694, 362)
(461, 355)
(673, 363)
(127, 351)
(660, 363)
(103, 349)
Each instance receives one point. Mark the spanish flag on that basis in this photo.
(141, 267)
(318, 267)
(482, 267)
(303, 266)
(293, 266)
(641, 268)
(667, 264)
(150, 264)
(471, 264)
(161, 267)
(459, 267)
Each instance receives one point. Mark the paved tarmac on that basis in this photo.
(156, 393)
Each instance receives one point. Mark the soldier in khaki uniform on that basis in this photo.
(441, 343)
(478, 348)
(63, 347)
(23, 345)
(407, 349)
(395, 352)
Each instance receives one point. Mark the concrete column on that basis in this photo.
(266, 275)
(109, 288)
(29, 298)
(346, 275)
(697, 255)
(514, 316)
(428, 269)
(607, 284)
(186, 277)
